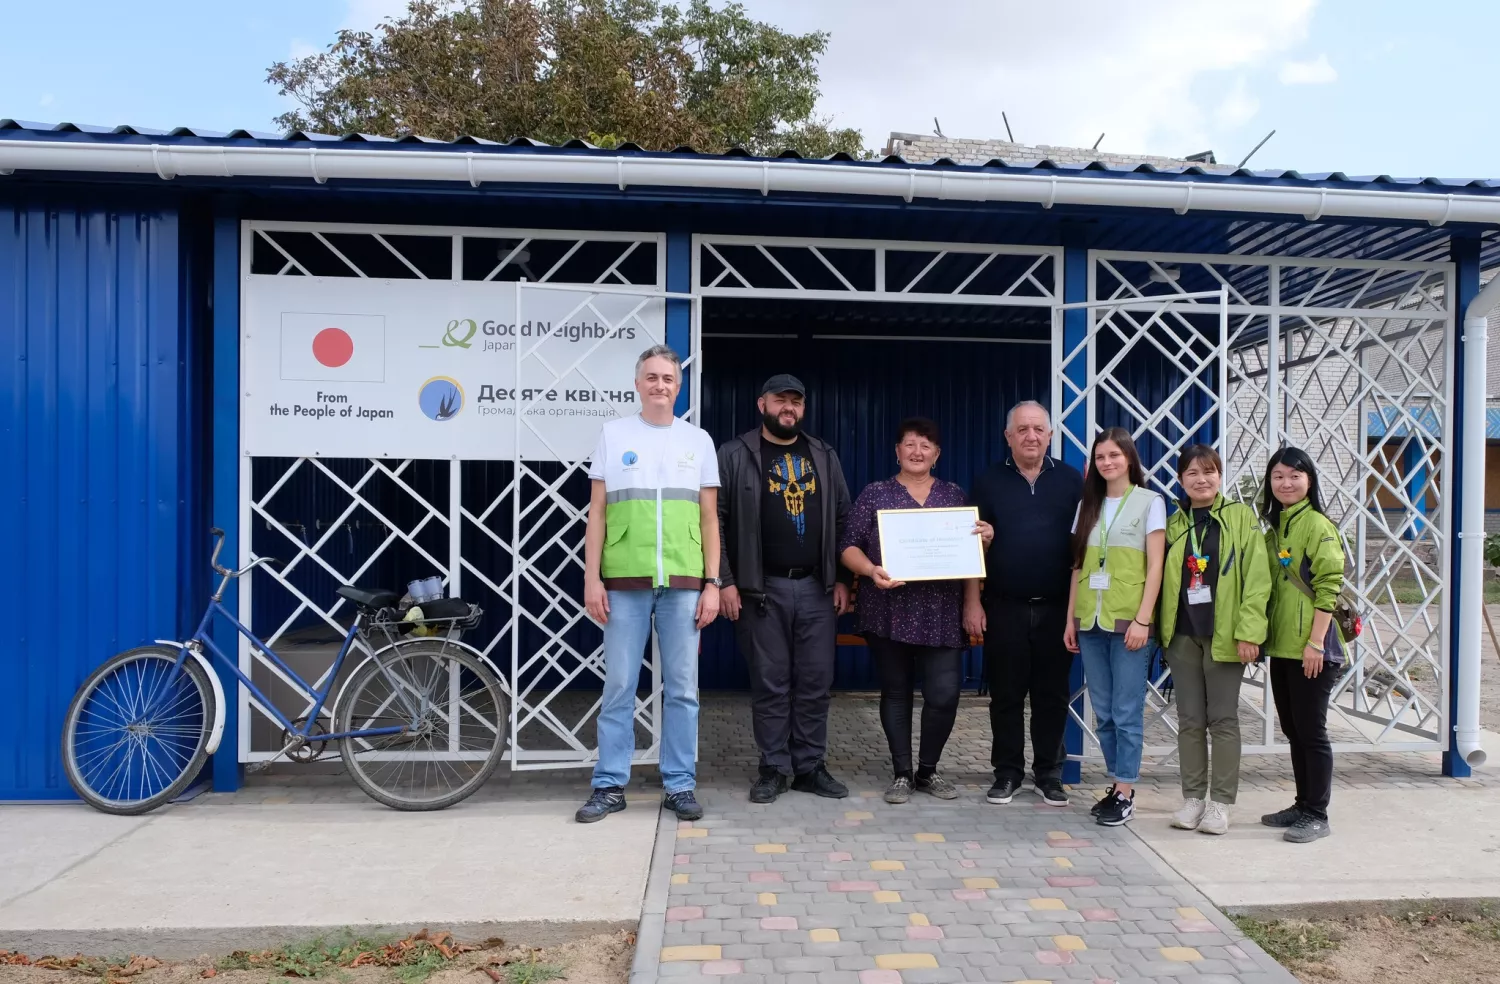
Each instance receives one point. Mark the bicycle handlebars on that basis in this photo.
(219, 536)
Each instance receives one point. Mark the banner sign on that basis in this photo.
(367, 368)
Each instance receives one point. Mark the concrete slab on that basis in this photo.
(206, 878)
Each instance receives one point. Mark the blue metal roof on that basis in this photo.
(1388, 423)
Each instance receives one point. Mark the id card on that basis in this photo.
(1099, 581)
(1200, 596)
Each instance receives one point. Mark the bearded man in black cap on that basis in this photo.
(782, 509)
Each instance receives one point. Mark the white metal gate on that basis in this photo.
(1343, 358)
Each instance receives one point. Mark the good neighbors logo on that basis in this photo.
(499, 336)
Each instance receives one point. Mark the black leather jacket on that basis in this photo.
(741, 473)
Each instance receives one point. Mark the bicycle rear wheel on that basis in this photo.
(454, 740)
(137, 731)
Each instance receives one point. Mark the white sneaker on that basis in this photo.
(1215, 819)
(1190, 816)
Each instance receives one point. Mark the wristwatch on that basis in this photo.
(717, 582)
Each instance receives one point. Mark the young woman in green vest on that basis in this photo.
(1307, 574)
(1119, 539)
(1215, 587)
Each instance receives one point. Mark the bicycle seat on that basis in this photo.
(367, 599)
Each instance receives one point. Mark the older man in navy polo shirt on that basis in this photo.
(1029, 498)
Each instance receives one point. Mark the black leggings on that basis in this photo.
(1302, 709)
(942, 673)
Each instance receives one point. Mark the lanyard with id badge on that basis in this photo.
(1198, 593)
(1099, 580)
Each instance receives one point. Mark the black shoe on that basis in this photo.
(1117, 810)
(820, 783)
(602, 802)
(1307, 829)
(1098, 806)
(1283, 818)
(1002, 792)
(1051, 791)
(768, 785)
(684, 804)
(936, 785)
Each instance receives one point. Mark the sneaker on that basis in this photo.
(1191, 814)
(936, 785)
(1283, 818)
(1307, 829)
(603, 801)
(684, 804)
(820, 783)
(1099, 803)
(1051, 791)
(1117, 811)
(768, 785)
(899, 791)
(1002, 792)
(1215, 819)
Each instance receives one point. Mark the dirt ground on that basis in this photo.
(1381, 949)
(594, 960)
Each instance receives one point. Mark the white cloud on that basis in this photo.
(1314, 72)
(301, 48)
(366, 15)
(46, 100)
(1238, 107)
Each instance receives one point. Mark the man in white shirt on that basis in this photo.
(651, 556)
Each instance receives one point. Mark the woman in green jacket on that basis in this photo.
(1215, 586)
(1307, 573)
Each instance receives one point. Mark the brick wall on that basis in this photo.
(924, 147)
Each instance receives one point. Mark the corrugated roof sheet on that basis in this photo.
(15, 129)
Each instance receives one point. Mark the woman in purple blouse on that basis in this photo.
(907, 624)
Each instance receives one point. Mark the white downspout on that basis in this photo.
(1471, 523)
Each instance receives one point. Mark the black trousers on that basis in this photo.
(942, 675)
(1024, 656)
(789, 638)
(1302, 709)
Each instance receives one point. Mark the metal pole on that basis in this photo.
(515, 537)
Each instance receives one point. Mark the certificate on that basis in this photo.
(930, 544)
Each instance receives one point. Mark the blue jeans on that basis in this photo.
(1116, 678)
(631, 613)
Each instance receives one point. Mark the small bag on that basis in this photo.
(1346, 614)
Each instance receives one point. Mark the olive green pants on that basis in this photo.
(1208, 704)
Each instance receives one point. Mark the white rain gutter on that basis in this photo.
(1471, 523)
(321, 164)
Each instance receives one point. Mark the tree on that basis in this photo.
(608, 71)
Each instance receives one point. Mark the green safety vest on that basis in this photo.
(1114, 608)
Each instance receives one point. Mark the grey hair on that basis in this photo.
(658, 352)
(1010, 417)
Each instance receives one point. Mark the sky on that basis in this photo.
(1361, 86)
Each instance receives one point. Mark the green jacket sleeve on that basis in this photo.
(1325, 556)
(1255, 591)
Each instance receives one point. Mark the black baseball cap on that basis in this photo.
(784, 382)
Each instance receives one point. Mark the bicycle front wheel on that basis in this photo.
(454, 717)
(137, 731)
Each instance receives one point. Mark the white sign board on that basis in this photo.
(356, 368)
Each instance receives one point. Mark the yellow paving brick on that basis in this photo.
(906, 961)
(679, 879)
(858, 815)
(1048, 903)
(887, 865)
(981, 883)
(674, 953)
(1189, 912)
(1063, 862)
(929, 838)
(1069, 943)
(692, 832)
(1059, 835)
(770, 848)
(1182, 954)
(917, 919)
(886, 897)
(823, 936)
(766, 898)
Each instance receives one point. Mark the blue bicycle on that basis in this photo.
(421, 722)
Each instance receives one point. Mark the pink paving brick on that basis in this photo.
(723, 968)
(1099, 915)
(684, 825)
(1070, 842)
(924, 932)
(1237, 953)
(837, 856)
(766, 876)
(778, 922)
(1104, 980)
(971, 845)
(680, 859)
(1071, 881)
(968, 863)
(1054, 958)
(880, 977)
(684, 913)
(969, 894)
(1195, 926)
(847, 823)
(853, 886)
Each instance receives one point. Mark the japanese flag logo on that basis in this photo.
(335, 348)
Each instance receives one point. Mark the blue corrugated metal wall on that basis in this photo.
(101, 502)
